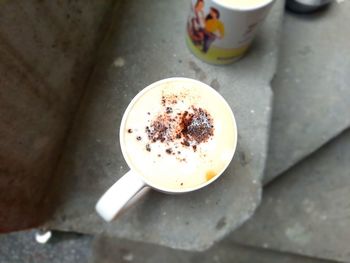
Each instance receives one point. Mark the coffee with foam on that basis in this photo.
(242, 4)
(178, 134)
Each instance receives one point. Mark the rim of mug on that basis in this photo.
(122, 133)
(256, 7)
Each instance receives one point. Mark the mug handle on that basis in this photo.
(116, 197)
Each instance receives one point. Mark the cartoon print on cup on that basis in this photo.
(213, 29)
(203, 31)
(195, 25)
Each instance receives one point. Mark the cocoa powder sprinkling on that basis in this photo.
(197, 126)
(188, 128)
(169, 151)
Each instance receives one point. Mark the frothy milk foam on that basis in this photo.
(178, 135)
(242, 3)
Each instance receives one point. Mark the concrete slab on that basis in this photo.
(21, 247)
(47, 49)
(307, 210)
(311, 87)
(146, 43)
(108, 250)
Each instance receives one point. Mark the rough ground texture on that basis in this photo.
(21, 247)
(146, 43)
(307, 210)
(109, 250)
(46, 54)
(311, 87)
(73, 248)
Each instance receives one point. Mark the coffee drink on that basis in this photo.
(178, 134)
(242, 3)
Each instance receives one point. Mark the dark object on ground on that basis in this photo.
(306, 6)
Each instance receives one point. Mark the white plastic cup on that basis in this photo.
(227, 36)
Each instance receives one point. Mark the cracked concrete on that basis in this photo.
(47, 49)
(311, 87)
(306, 211)
(138, 50)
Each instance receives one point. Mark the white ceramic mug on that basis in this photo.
(119, 194)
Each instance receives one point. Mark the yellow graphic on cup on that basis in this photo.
(217, 55)
(203, 29)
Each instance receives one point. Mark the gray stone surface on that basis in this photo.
(307, 211)
(311, 87)
(21, 247)
(109, 250)
(64, 247)
(146, 43)
(46, 53)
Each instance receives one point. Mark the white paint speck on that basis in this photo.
(298, 234)
(119, 62)
(128, 257)
(216, 258)
(43, 237)
(265, 245)
(308, 205)
(164, 213)
(323, 217)
(252, 111)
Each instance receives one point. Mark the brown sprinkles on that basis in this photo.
(188, 128)
(186, 143)
(197, 126)
(169, 151)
